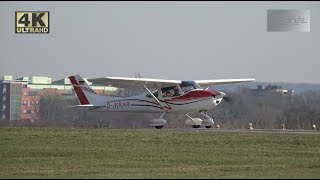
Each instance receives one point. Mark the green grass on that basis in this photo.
(105, 153)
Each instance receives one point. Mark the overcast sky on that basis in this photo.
(164, 40)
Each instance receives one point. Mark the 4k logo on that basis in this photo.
(32, 21)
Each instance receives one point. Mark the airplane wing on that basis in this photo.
(221, 81)
(124, 82)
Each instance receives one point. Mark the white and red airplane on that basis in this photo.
(161, 96)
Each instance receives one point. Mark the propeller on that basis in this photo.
(227, 99)
(223, 95)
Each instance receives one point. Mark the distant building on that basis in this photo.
(20, 98)
(10, 99)
(30, 104)
(271, 90)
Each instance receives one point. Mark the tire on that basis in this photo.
(196, 126)
(208, 126)
(159, 127)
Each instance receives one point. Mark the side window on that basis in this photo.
(186, 88)
(154, 93)
(167, 91)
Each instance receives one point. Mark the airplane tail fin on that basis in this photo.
(85, 93)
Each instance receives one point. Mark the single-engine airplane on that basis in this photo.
(160, 96)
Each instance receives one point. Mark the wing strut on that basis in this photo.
(208, 87)
(155, 98)
(189, 117)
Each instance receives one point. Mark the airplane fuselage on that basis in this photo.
(194, 100)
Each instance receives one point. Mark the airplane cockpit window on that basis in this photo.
(187, 86)
(167, 94)
(155, 93)
(176, 91)
(173, 91)
(168, 91)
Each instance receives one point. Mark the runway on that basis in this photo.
(248, 130)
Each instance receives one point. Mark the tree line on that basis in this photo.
(240, 108)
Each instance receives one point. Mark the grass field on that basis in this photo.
(106, 153)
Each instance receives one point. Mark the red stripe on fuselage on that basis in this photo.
(82, 98)
(195, 94)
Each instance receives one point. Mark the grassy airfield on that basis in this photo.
(106, 153)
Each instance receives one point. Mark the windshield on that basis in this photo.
(187, 86)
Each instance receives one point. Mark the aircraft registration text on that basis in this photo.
(118, 105)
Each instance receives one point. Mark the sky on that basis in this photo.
(180, 40)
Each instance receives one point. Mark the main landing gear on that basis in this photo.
(159, 127)
(197, 122)
(159, 123)
(207, 121)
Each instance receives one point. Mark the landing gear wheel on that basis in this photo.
(196, 126)
(208, 126)
(159, 127)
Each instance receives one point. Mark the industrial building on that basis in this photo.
(271, 89)
(20, 98)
